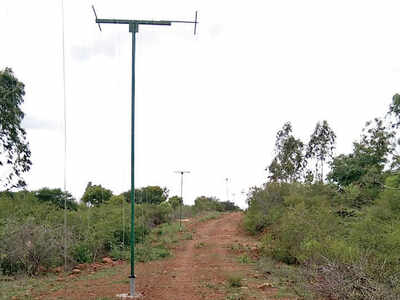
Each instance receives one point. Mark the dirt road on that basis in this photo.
(206, 267)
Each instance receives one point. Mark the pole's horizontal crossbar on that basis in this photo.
(139, 22)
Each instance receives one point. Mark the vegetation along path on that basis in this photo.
(214, 263)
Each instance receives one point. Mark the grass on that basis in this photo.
(236, 247)
(290, 280)
(21, 287)
(210, 285)
(156, 246)
(209, 216)
(245, 259)
(159, 242)
(234, 281)
(187, 236)
(103, 273)
(200, 245)
(235, 296)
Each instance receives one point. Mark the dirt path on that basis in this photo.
(200, 268)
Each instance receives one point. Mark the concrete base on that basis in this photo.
(128, 296)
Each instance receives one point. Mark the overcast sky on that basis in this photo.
(210, 103)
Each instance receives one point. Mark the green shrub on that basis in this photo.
(118, 254)
(349, 252)
(235, 281)
(146, 252)
(28, 246)
(82, 253)
(92, 232)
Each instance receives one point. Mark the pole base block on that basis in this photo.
(128, 296)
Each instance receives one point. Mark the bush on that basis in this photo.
(82, 253)
(118, 254)
(349, 253)
(32, 231)
(28, 246)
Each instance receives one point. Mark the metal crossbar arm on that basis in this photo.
(138, 22)
(135, 23)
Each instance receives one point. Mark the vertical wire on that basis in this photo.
(119, 89)
(65, 142)
(143, 219)
(65, 136)
(123, 223)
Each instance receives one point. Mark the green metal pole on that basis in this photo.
(133, 28)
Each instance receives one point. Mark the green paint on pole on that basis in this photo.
(133, 28)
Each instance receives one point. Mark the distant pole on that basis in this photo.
(180, 206)
(227, 189)
(134, 28)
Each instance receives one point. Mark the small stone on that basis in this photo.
(76, 271)
(42, 269)
(107, 260)
(81, 267)
(265, 285)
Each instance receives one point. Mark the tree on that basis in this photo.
(148, 194)
(14, 148)
(370, 156)
(320, 147)
(376, 143)
(57, 197)
(228, 206)
(95, 195)
(289, 161)
(175, 201)
(206, 203)
(394, 110)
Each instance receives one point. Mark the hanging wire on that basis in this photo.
(123, 223)
(146, 198)
(65, 136)
(118, 46)
(65, 142)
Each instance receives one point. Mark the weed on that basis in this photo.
(235, 296)
(118, 254)
(236, 247)
(244, 259)
(234, 281)
(210, 285)
(209, 216)
(199, 245)
(146, 252)
(290, 280)
(187, 236)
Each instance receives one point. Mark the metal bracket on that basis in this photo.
(133, 27)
